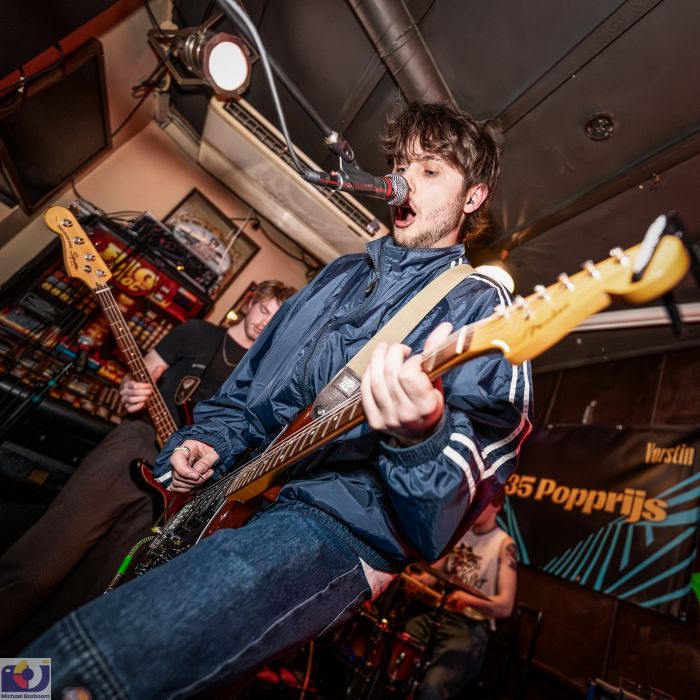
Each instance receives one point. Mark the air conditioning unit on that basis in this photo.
(249, 155)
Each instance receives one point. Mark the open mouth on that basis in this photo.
(404, 214)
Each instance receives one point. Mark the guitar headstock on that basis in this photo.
(532, 325)
(79, 255)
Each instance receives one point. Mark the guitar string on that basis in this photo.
(259, 465)
(114, 316)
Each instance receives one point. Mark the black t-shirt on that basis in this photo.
(200, 341)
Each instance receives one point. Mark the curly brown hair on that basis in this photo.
(457, 137)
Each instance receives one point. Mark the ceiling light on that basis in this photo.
(197, 56)
(220, 59)
(499, 274)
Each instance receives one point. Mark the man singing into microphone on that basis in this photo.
(400, 488)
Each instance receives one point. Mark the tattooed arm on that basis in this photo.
(500, 605)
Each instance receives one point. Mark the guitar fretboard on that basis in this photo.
(157, 410)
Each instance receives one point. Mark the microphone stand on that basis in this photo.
(335, 141)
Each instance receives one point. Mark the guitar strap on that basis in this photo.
(189, 383)
(395, 330)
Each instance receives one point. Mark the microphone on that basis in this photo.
(391, 188)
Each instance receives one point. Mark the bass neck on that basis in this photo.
(157, 410)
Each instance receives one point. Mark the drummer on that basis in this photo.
(484, 560)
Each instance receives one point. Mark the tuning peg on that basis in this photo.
(591, 269)
(542, 292)
(500, 310)
(78, 240)
(520, 304)
(620, 256)
(66, 222)
(566, 282)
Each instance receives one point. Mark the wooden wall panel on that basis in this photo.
(624, 393)
(678, 402)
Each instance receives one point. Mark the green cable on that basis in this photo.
(126, 562)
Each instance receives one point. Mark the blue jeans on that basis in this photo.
(213, 614)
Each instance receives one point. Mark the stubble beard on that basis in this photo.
(446, 219)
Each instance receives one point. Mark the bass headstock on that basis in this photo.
(80, 258)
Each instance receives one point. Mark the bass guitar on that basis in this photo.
(82, 261)
(520, 332)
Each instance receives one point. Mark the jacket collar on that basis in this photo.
(390, 256)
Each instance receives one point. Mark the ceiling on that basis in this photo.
(540, 69)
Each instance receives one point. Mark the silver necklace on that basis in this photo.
(227, 362)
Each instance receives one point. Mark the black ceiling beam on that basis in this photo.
(616, 24)
(673, 154)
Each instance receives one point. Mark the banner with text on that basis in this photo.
(614, 510)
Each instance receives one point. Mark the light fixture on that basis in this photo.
(197, 56)
(496, 271)
(600, 126)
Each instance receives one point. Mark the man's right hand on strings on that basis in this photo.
(192, 464)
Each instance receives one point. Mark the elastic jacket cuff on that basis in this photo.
(421, 452)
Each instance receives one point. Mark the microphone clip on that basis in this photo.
(339, 145)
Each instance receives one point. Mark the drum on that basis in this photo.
(361, 641)
(405, 655)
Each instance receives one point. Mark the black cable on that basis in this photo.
(239, 16)
(24, 80)
(207, 12)
(152, 18)
(148, 89)
(151, 82)
(79, 196)
(131, 114)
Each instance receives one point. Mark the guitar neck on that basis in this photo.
(157, 410)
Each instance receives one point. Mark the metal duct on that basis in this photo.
(401, 46)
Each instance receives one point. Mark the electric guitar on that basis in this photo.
(520, 332)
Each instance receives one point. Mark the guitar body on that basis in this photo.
(190, 517)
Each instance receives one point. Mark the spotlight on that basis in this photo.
(220, 60)
(497, 272)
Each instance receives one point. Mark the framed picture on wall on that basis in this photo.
(212, 237)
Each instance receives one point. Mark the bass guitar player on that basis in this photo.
(71, 553)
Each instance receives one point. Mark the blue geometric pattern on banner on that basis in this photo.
(659, 577)
(594, 560)
(578, 563)
(674, 595)
(651, 559)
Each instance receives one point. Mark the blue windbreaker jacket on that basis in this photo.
(393, 504)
